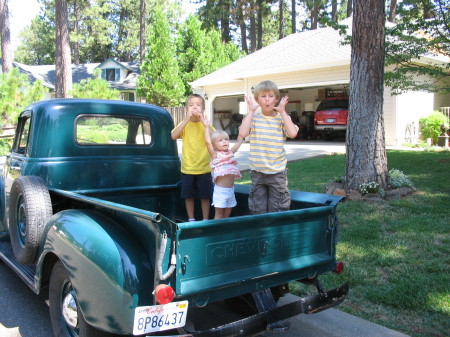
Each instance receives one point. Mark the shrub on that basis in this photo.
(370, 187)
(5, 146)
(431, 125)
(398, 179)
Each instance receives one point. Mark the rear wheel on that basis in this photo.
(30, 208)
(67, 319)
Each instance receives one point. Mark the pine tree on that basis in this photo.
(160, 82)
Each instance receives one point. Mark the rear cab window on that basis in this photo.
(112, 130)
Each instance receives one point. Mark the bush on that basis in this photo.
(398, 179)
(5, 146)
(431, 125)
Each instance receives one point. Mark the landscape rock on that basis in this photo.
(329, 189)
(335, 188)
(340, 192)
(355, 195)
(392, 195)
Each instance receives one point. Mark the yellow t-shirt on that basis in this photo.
(195, 157)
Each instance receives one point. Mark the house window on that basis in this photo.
(128, 96)
(111, 74)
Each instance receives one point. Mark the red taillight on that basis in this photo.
(164, 294)
(339, 267)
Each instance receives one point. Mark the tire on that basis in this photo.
(60, 289)
(29, 209)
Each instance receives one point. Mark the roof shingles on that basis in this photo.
(306, 50)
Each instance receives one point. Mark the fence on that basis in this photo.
(446, 111)
(178, 113)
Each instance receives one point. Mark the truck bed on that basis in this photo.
(248, 252)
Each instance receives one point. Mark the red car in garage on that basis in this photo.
(330, 118)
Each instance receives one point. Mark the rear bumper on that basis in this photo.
(330, 127)
(260, 322)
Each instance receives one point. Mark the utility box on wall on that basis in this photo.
(327, 93)
(321, 94)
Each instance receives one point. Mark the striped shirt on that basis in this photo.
(267, 138)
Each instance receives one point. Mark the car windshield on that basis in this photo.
(333, 104)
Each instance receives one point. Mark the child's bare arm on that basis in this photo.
(208, 142)
(175, 134)
(244, 129)
(238, 144)
(289, 126)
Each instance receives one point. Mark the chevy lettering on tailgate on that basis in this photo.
(261, 246)
(160, 317)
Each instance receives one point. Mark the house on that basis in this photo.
(120, 75)
(308, 66)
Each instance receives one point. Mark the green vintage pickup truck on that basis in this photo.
(90, 210)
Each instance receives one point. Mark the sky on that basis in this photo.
(23, 11)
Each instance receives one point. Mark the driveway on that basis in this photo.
(295, 150)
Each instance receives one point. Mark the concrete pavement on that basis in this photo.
(295, 150)
(298, 149)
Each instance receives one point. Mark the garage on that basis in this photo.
(228, 111)
(308, 67)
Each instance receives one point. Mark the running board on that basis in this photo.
(25, 272)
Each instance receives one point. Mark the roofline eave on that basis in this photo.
(259, 72)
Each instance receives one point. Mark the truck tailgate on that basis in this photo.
(255, 251)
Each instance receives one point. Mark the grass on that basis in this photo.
(397, 253)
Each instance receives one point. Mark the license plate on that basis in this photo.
(160, 317)
(330, 120)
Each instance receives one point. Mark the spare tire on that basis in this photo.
(30, 207)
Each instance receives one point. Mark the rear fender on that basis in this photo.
(109, 270)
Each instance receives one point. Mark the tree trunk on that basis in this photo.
(242, 26)
(76, 45)
(314, 16)
(259, 11)
(334, 10)
(6, 36)
(294, 17)
(225, 21)
(252, 27)
(63, 83)
(349, 8)
(281, 22)
(366, 159)
(392, 9)
(142, 15)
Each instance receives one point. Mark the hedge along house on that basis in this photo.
(121, 76)
(308, 67)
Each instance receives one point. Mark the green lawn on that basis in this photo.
(397, 253)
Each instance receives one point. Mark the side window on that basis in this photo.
(23, 133)
(108, 130)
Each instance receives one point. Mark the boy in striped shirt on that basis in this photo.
(268, 129)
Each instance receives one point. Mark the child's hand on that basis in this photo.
(252, 104)
(205, 120)
(188, 115)
(282, 105)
